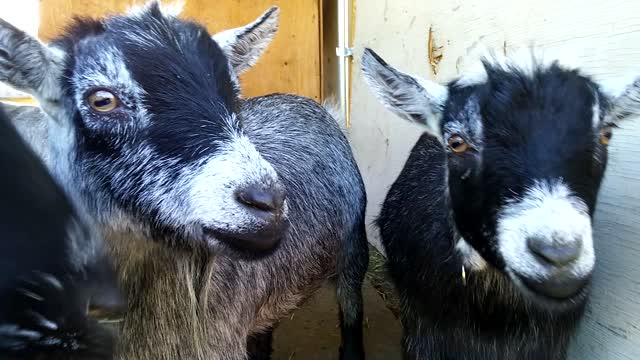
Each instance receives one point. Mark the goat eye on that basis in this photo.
(457, 144)
(103, 101)
(605, 135)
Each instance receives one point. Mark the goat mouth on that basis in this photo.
(558, 298)
(259, 242)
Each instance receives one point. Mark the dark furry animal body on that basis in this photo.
(49, 261)
(488, 226)
(446, 317)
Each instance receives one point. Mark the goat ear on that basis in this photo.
(412, 98)
(624, 94)
(28, 65)
(245, 45)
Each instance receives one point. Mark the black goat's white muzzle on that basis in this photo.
(545, 240)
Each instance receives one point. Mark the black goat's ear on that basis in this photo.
(245, 45)
(624, 96)
(410, 97)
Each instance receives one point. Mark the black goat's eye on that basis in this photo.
(103, 101)
(605, 135)
(457, 144)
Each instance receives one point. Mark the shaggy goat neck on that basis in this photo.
(168, 313)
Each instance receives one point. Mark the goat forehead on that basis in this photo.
(171, 61)
(172, 54)
(171, 74)
(179, 59)
(150, 29)
(463, 115)
(103, 66)
(523, 105)
(533, 127)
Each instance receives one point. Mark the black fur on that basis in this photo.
(191, 71)
(34, 249)
(259, 346)
(443, 318)
(535, 128)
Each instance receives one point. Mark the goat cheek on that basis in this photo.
(462, 167)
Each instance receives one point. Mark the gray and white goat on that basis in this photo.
(222, 214)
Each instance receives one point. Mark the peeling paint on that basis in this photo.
(435, 53)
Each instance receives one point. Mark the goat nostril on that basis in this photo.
(265, 199)
(556, 253)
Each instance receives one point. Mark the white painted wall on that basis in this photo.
(603, 35)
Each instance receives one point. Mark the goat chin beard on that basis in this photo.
(473, 262)
(545, 302)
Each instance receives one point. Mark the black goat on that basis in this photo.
(488, 227)
(50, 263)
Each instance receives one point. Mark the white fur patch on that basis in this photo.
(549, 211)
(203, 194)
(595, 120)
(211, 195)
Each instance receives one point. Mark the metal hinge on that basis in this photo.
(344, 52)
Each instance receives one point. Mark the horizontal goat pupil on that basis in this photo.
(102, 102)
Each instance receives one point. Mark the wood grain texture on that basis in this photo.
(21, 100)
(603, 36)
(291, 64)
(330, 43)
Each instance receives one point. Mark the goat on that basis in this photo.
(51, 264)
(488, 226)
(222, 214)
